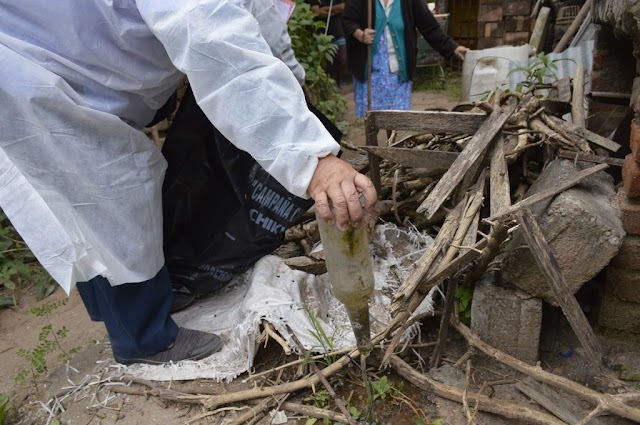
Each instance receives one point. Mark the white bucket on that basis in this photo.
(485, 70)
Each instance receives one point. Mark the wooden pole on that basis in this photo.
(369, 53)
(574, 27)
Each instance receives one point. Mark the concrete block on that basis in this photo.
(629, 211)
(490, 13)
(517, 7)
(631, 177)
(581, 226)
(623, 283)
(508, 319)
(619, 315)
(516, 38)
(628, 256)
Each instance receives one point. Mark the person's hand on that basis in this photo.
(335, 184)
(365, 36)
(461, 51)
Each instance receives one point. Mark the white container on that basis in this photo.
(488, 69)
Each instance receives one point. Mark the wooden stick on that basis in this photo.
(555, 124)
(577, 99)
(484, 403)
(586, 157)
(549, 266)
(465, 161)
(499, 191)
(612, 403)
(574, 27)
(592, 137)
(315, 412)
(553, 401)
(271, 332)
(552, 191)
(443, 332)
(322, 379)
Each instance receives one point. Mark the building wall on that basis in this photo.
(503, 22)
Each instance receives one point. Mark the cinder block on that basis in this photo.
(628, 256)
(623, 283)
(631, 177)
(507, 319)
(619, 315)
(629, 211)
(581, 226)
(634, 139)
(490, 13)
(516, 38)
(517, 24)
(517, 7)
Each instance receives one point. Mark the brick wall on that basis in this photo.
(503, 22)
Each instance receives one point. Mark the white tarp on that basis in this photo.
(274, 292)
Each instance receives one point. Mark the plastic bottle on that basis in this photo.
(348, 261)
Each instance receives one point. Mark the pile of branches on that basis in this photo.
(472, 199)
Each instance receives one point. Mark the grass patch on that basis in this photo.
(430, 78)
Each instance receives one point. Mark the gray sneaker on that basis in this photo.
(189, 345)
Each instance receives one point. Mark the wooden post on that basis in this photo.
(549, 266)
(577, 99)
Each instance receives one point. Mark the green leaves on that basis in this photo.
(537, 72)
(464, 295)
(315, 51)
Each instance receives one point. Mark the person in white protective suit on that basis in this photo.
(81, 182)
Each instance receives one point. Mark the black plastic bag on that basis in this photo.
(222, 211)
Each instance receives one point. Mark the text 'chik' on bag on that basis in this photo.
(222, 211)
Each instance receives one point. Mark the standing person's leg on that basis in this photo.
(137, 319)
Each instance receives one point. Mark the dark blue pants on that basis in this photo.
(136, 315)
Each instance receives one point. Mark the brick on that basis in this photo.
(516, 38)
(635, 96)
(634, 139)
(491, 29)
(631, 177)
(517, 23)
(628, 256)
(517, 7)
(490, 13)
(623, 283)
(486, 43)
(629, 210)
(619, 315)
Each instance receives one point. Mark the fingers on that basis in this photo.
(336, 188)
(368, 36)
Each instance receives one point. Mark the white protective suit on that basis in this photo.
(78, 178)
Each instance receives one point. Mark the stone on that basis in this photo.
(507, 319)
(448, 375)
(581, 226)
(628, 256)
(634, 139)
(623, 283)
(616, 314)
(631, 177)
(629, 212)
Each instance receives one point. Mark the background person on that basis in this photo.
(394, 41)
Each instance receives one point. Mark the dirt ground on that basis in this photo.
(20, 329)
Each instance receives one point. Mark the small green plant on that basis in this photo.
(4, 404)
(314, 50)
(381, 388)
(49, 340)
(537, 72)
(464, 295)
(327, 343)
(321, 400)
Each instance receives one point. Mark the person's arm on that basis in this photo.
(354, 24)
(274, 31)
(254, 100)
